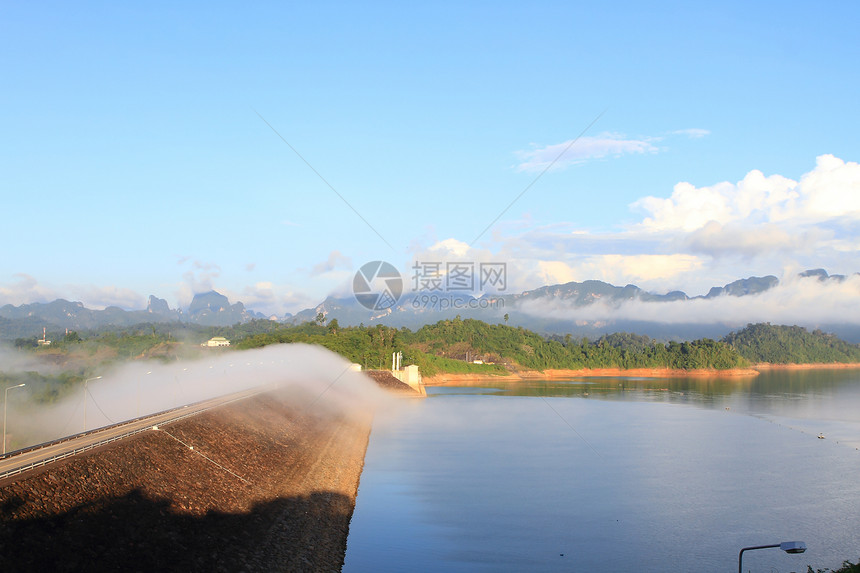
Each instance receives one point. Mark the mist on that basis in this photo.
(13, 360)
(315, 378)
(802, 301)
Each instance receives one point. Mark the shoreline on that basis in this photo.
(808, 366)
(561, 374)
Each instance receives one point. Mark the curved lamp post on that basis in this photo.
(6, 401)
(87, 381)
(787, 546)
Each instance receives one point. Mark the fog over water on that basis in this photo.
(127, 391)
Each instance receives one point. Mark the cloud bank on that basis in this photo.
(690, 239)
(699, 237)
(802, 301)
(830, 191)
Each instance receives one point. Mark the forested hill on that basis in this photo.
(471, 339)
(454, 345)
(791, 345)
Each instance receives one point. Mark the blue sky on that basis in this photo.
(134, 161)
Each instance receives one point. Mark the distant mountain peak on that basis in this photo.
(820, 273)
(212, 301)
(743, 287)
(157, 305)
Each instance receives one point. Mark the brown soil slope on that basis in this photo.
(150, 503)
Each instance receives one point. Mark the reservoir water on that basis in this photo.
(614, 474)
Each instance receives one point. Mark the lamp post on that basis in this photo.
(787, 546)
(87, 381)
(6, 401)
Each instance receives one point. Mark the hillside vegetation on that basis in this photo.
(791, 345)
(451, 346)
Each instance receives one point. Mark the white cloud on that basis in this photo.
(336, 260)
(260, 297)
(25, 289)
(99, 298)
(699, 237)
(557, 272)
(691, 239)
(807, 302)
(618, 269)
(810, 222)
(555, 256)
(719, 240)
(450, 248)
(435, 262)
(645, 269)
(200, 278)
(830, 190)
(570, 152)
(269, 298)
(692, 133)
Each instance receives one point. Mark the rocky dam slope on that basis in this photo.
(264, 484)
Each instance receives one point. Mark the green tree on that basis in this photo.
(25, 342)
(333, 327)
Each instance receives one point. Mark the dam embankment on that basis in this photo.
(263, 484)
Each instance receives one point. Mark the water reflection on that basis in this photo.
(787, 392)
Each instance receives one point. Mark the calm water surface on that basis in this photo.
(614, 474)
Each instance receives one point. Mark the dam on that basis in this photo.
(260, 484)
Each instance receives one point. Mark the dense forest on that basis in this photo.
(455, 346)
(790, 345)
(452, 346)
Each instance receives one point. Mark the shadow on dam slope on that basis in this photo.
(136, 533)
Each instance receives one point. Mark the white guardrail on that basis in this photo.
(79, 450)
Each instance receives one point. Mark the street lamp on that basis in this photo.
(85, 399)
(6, 401)
(787, 546)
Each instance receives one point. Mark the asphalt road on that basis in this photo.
(68, 446)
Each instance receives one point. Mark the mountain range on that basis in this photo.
(412, 310)
(206, 309)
